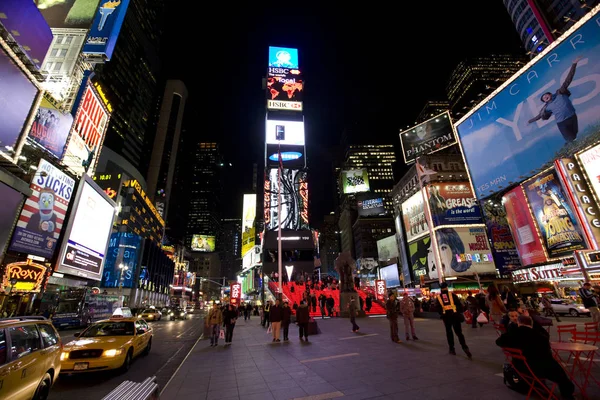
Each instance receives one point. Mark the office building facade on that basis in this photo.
(431, 109)
(229, 243)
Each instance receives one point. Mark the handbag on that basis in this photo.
(269, 330)
(468, 317)
(482, 318)
(222, 334)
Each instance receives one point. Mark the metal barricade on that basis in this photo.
(128, 390)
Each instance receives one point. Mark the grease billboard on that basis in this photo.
(453, 203)
(549, 110)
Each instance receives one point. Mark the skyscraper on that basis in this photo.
(131, 77)
(205, 192)
(431, 109)
(476, 77)
(539, 22)
(229, 245)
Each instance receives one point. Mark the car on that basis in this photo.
(151, 314)
(565, 306)
(177, 313)
(110, 344)
(30, 349)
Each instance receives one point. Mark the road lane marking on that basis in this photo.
(359, 336)
(180, 365)
(322, 396)
(187, 330)
(169, 360)
(330, 357)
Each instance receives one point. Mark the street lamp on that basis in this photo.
(122, 268)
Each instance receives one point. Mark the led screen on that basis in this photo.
(203, 243)
(355, 181)
(291, 156)
(285, 132)
(283, 57)
(390, 275)
(294, 200)
(248, 217)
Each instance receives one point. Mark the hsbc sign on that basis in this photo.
(235, 294)
(284, 105)
(380, 289)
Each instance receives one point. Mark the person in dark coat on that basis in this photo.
(302, 319)
(451, 312)
(369, 302)
(276, 316)
(285, 321)
(230, 316)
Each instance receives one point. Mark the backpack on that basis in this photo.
(513, 381)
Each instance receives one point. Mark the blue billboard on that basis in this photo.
(548, 111)
(123, 249)
(283, 57)
(25, 23)
(105, 29)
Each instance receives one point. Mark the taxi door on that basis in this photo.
(7, 389)
(139, 342)
(25, 366)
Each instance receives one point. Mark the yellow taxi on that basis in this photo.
(30, 351)
(108, 344)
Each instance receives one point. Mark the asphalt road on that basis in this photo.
(171, 342)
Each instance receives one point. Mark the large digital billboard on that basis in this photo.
(105, 29)
(17, 95)
(427, 137)
(549, 110)
(50, 128)
(504, 248)
(87, 133)
(413, 216)
(355, 181)
(294, 200)
(123, 249)
(561, 233)
(453, 203)
(110, 183)
(11, 202)
(74, 14)
(371, 207)
(387, 248)
(285, 88)
(43, 214)
(285, 132)
(203, 243)
(291, 156)
(283, 57)
(27, 26)
(248, 219)
(86, 240)
(390, 275)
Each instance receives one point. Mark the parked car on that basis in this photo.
(30, 349)
(151, 314)
(566, 306)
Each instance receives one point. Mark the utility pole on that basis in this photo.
(279, 258)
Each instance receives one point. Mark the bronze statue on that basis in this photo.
(344, 265)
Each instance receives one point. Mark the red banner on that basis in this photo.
(235, 294)
(380, 290)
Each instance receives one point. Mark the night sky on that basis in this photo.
(372, 71)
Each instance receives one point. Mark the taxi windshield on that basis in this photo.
(148, 311)
(122, 328)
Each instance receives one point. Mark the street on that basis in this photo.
(171, 343)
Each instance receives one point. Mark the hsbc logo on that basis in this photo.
(284, 105)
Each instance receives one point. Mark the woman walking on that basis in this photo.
(497, 308)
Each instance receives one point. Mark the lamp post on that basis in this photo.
(122, 268)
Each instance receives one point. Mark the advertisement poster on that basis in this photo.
(235, 294)
(550, 110)
(413, 214)
(77, 14)
(248, 228)
(387, 248)
(283, 57)
(380, 290)
(285, 88)
(371, 207)
(590, 163)
(294, 194)
(292, 156)
(504, 249)
(43, 214)
(529, 246)
(390, 275)
(203, 243)
(103, 35)
(50, 128)
(453, 203)
(17, 94)
(418, 252)
(427, 137)
(123, 249)
(285, 132)
(558, 225)
(462, 251)
(355, 181)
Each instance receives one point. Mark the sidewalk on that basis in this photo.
(340, 364)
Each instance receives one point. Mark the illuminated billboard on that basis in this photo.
(285, 88)
(291, 156)
(387, 248)
(427, 137)
(547, 111)
(294, 200)
(139, 213)
(17, 95)
(43, 214)
(123, 249)
(355, 181)
(73, 14)
(105, 29)
(110, 183)
(87, 133)
(453, 203)
(285, 132)
(413, 215)
(371, 207)
(248, 217)
(24, 22)
(50, 128)
(88, 232)
(283, 57)
(203, 243)
(284, 105)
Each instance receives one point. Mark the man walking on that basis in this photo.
(548, 308)
(276, 316)
(353, 309)
(391, 308)
(590, 302)
(285, 322)
(214, 319)
(407, 307)
(302, 319)
(451, 311)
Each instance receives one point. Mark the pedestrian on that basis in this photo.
(313, 302)
(548, 308)
(353, 309)
(451, 312)
(590, 301)
(266, 312)
(391, 307)
(495, 304)
(407, 308)
(276, 316)
(509, 299)
(330, 304)
(473, 307)
(214, 319)
(360, 302)
(229, 318)
(302, 319)
(285, 321)
(369, 303)
(322, 301)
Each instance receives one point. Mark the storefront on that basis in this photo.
(552, 279)
(21, 285)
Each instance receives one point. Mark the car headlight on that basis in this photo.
(171, 313)
(181, 314)
(112, 352)
(64, 356)
(140, 316)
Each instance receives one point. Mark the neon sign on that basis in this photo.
(304, 196)
(286, 156)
